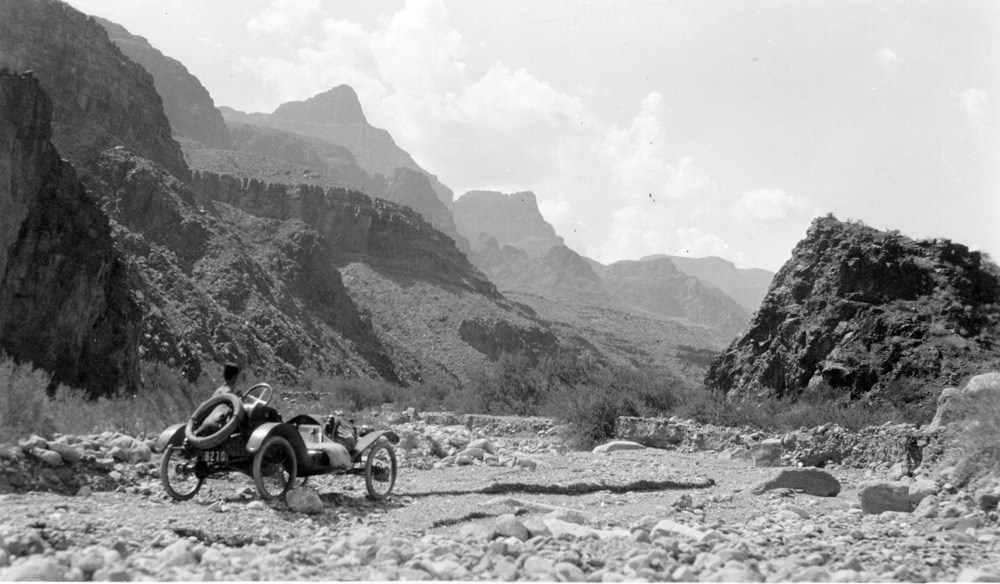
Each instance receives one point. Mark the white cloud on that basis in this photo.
(638, 160)
(972, 102)
(636, 231)
(889, 59)
(283, 17)
(555, 212)
(418, 51)
(767, 205)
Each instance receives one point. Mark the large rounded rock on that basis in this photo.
(36, 569)
(957, 404)
(880, 496)
(304, 501)
(618, 445)
(811, 481)
(767, 453)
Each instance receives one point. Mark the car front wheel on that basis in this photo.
(179, 473)
(274, 468)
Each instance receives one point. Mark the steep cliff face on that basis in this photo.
(216, 284)
(862, 312)
(336, 116)
(511, 219)
(186, 102)
(659, 287)
(413, 189)
(356, 226)
(100, 97)
(63, 299)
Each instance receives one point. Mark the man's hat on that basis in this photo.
(230, 370)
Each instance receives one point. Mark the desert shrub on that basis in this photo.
(513, 385)
(790, 413)
(166, 397)
(424, 397)
(22, 399)
(597, 396)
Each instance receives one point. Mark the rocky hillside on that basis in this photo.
(140, 260)
(861, 312)
(659, 287)
(748, 286)
(186, 102)
(63, 303)
(335, 116)
(100, 97)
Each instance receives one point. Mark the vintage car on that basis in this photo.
(256, 441)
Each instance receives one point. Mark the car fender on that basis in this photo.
(172, 435)
(286, 431)
(371, 438)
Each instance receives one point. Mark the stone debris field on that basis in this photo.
(501, 499)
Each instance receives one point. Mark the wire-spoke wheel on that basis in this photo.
(380, 470)
(179, 473)
(274, 468)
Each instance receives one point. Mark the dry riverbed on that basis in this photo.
(539, 513)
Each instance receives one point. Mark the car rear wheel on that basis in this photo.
(274, 468)
(380, 470)
(179, 473)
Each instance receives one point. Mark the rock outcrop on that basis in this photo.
(63, 303)
(100, 97)
(512, 220)
(186, 102)
(354, 224)
(860, 312)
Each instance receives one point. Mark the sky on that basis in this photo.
(682, 127)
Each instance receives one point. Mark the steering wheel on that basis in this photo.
(258, 394)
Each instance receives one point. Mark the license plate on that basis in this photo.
(216, 456)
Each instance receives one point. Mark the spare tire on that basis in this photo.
(203, 411)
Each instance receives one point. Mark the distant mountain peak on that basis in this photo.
(339, 105)
(514, 219)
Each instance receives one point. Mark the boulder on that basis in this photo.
(927, 508)
(921, 489)
(811, 481)
(669, 527)
(985, 574)
(70, 454)
(879, 496)
(36, 569)
(510, 526)
(303, 500)
(767, 452)
(483, 444)
(955, 404)
(618, 445)
(47, 456)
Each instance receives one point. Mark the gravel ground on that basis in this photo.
(640, 515)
